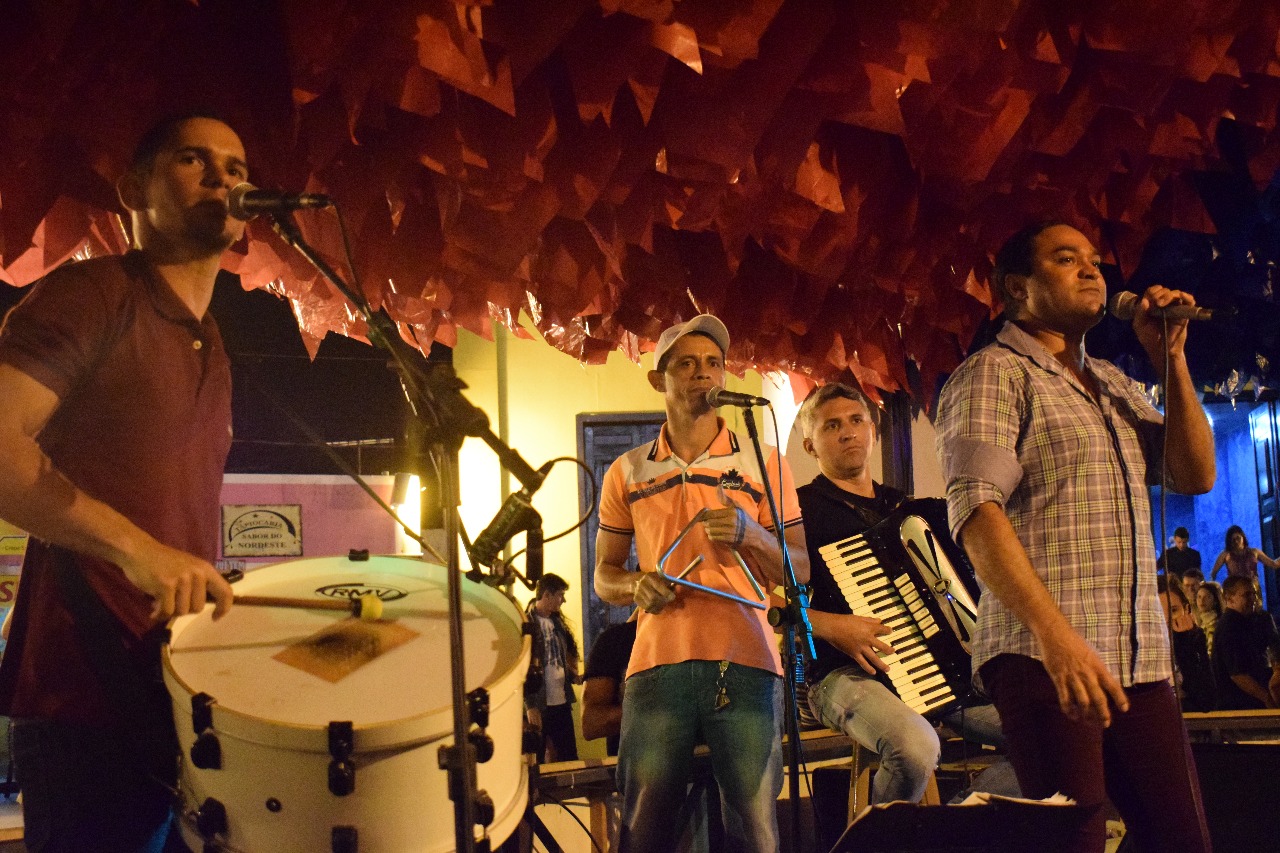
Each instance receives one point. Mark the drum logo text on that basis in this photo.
(355, 590)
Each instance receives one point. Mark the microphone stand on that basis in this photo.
(435, 398)
(794, 616)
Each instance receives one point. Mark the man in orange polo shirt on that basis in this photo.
(705, 669)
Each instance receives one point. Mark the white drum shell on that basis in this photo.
(274, 775)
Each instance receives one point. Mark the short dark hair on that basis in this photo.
(1234, 582)
(160, 134)
(550, 583)
(833, 391)
(1017, 257)
(1181, 533)
(661, 366)
(1194, 574)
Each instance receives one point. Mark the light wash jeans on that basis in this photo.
(864, 709)
(666, 712)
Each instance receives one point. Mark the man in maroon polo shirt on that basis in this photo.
(113, 435)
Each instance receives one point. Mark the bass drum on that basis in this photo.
(311, 730)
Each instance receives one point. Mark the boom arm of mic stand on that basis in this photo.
(432, 395)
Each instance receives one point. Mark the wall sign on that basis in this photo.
(262, 530)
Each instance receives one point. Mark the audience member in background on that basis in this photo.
(602, 683)
(1190, 648)
(1176, 560)
(1240, 559)
(1191, 580)
(553, 670)
(1208, 609)
(1245, 637)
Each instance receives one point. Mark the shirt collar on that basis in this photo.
(722, 445)
(163, 299)
(1015, 338)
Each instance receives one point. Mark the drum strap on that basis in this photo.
(135, 691)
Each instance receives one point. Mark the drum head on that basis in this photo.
(306, 668)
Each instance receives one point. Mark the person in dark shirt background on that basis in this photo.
(1244, 637)
(1176, 560)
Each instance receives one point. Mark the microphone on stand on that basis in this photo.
(245, 201)
(533, 554)
(516, 514)
(1124, 305)
(718, 397)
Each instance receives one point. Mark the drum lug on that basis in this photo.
(206, 752)
(344, 839)
(485, 812)
(483, 744)
(478, 703)
(342, 770)
(211, 819)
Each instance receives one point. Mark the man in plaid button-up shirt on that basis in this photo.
(1047, 454)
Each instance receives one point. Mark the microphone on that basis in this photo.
(718, 397)
(245, 201)
(1124, 305)
(516, 514)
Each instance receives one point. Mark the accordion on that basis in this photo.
(908, 573)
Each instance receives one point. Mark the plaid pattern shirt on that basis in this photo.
(1016, 428)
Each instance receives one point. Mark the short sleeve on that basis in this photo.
(615, 510)
(56, 333)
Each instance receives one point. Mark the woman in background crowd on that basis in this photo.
(1208, 609)
(1239, 558)
(1190, 649)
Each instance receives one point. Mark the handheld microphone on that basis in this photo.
(1124, 305)
(718, 397)
(245, 201)
(516, 514)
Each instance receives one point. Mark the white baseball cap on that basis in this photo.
(704, 323)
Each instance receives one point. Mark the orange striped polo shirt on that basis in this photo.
(651, 494)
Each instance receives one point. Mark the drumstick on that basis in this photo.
(366, 606)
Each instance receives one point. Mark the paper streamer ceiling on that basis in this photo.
(830, 178)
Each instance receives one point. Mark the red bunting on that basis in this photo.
(831, 179)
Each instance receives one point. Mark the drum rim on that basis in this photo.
(403, 733)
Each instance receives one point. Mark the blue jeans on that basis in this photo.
(81, 791)
(666, 712)
(868, 712)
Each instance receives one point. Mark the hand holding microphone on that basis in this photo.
(1124, 306)
(1160, 339)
